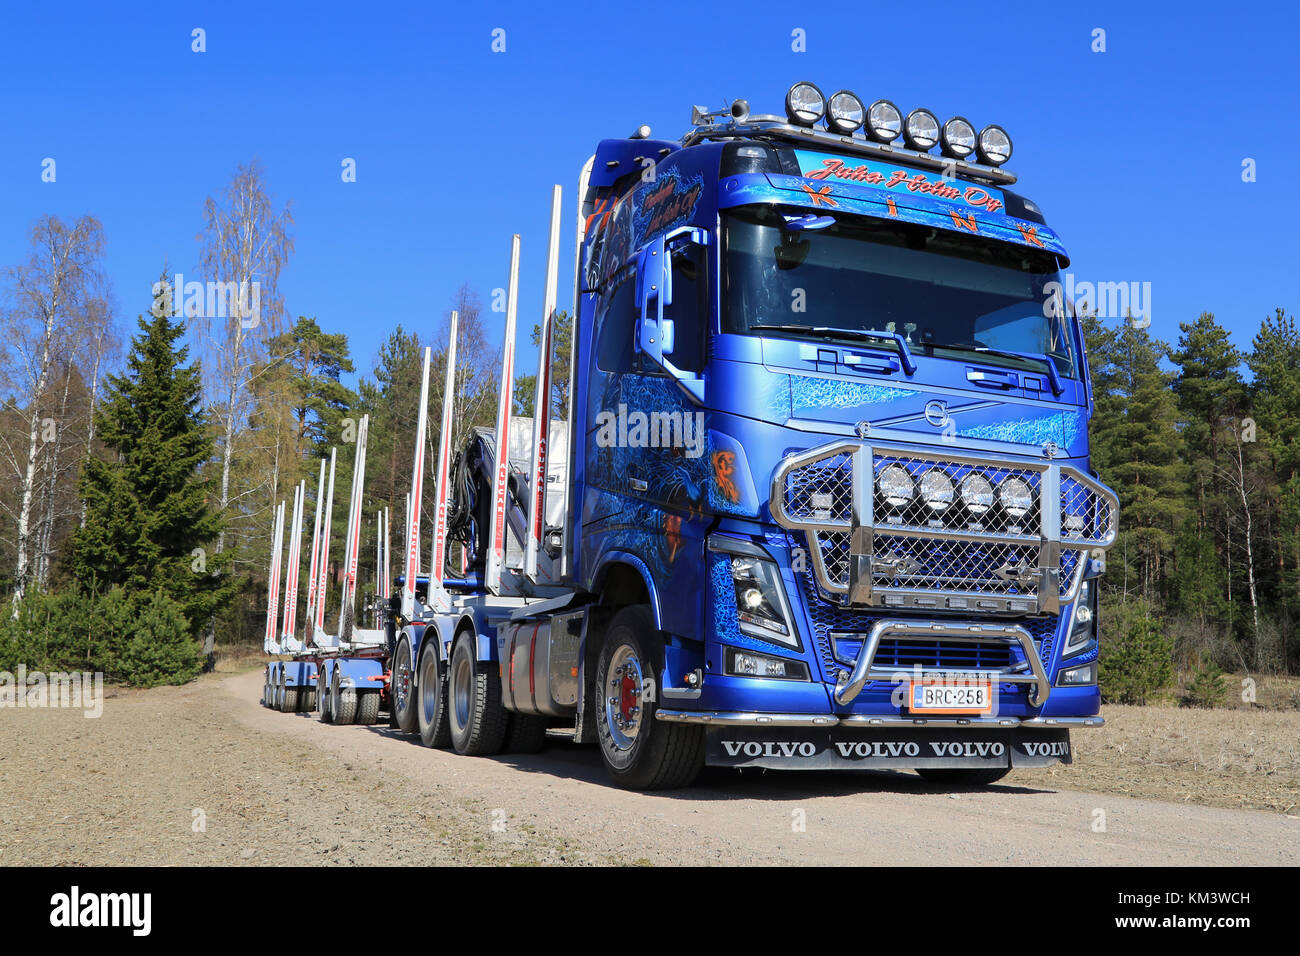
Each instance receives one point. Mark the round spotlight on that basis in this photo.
(921, 131)
(884, 121)
(896, 486)
(936, 490)
(994, 146)
(804, 104)
(958, 138)
(845, 113)
(1016, 497)
(976, 494)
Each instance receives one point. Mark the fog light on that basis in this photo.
(994, 146)
(804, 104)
(845, 113)
(884, 121)
(921, 131)
(749, 664)
(1081, 676)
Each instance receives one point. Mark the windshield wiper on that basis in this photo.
(1057, 386)
(862, 335)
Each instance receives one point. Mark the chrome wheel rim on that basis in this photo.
(402, 681)
(428, 689)
(461, 680)
(624, 683)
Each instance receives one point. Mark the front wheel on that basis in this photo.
(640, 752)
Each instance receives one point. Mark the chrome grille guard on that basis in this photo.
(850, 685)
(902, 561)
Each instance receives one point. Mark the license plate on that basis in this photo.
(962, 698)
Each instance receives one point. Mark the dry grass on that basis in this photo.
(1241, 757)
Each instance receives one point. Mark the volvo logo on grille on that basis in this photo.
(936, 413)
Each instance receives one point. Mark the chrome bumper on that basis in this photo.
(849, 686)
(744, 719)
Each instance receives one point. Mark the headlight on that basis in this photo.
(958, 138)
(921, 131)
(896, 486)
(884, 121)
(760, 603)
(1016, 497)
(1083, 623)
(845, 113)
(976, 494)
(994, 146)
(936, 490)
(804, 104)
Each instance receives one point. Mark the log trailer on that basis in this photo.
(823, 497)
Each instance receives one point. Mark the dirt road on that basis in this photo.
(203, 775)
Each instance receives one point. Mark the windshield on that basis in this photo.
(947, 294)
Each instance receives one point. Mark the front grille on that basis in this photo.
(970, 555)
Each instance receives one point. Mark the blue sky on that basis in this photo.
(1134, 154)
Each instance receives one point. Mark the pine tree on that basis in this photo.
(149, 521)
(1137, 449)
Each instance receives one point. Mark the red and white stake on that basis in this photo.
(497, 532)
(273, 579)
(417, 495)
(438, 596)
(542, 401)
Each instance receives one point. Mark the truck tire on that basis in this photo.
(476, 719)
(640, 753)
(431, 698)
(266, 686)
(404, 695)
(975, 777)
(367, 707)
(289, 700)
(307, 699)
(323, 696)
(526, 734)
(343, 700)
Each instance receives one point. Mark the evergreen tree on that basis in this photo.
(314, 361)
(150, 524)
(1137, 448)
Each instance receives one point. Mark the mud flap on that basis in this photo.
(885, 748)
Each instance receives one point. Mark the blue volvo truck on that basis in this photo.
(825, 501)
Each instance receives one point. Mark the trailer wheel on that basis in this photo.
(307, 699)
(974, 777)
(266, 686)
(289, 700)
(367, 707)
(640, 752)
(475, 715)
(404, 692)
(343, 700)
(526, 735)
(277, 693)
(431, 698)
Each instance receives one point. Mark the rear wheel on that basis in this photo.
(974, 777)
(367, 707)
(477, 719)
(289, 700)
(640, 753)
(343, 700)
(403, 690)
(323, 698)
(431, 698)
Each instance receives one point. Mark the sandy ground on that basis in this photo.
(202, 775)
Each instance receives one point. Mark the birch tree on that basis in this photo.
(245, 243)
(49, 295)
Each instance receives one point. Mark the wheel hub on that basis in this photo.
(623, 703)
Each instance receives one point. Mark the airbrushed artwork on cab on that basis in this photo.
(866, 200)
(651, 442)
(906, 409)
(618, 228)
